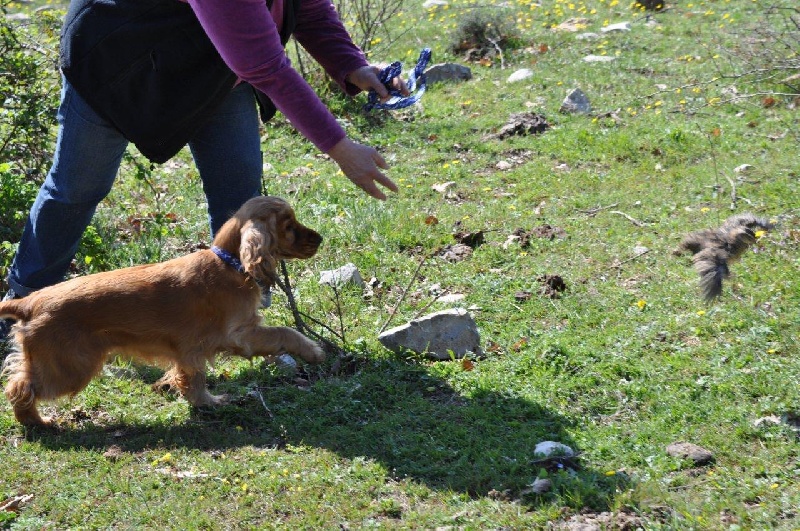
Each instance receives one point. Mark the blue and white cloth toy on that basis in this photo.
(416, 85)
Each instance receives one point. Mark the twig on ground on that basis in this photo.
(631, 259)
(733, 193)
(629, 218)
(286, 286)
(255, 392)
(591, 212)
(499, 52)
(403, 295)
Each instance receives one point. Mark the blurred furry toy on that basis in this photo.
(714, 250)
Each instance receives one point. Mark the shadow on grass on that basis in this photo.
(416, 425)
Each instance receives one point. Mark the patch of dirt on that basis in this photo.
(552, 286)
(470, 239)
(524, 237)
(523, 124)
(623, 521)
(456, 253)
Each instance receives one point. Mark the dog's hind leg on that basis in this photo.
(190, 381)
(43, 369)
(21, 392)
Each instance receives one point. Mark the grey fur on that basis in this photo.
(715, 249)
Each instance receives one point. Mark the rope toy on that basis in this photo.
(416, 80)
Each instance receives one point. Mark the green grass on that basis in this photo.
(628, 360)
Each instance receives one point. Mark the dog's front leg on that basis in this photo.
(271, 341)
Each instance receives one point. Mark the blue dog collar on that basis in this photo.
(228, 258)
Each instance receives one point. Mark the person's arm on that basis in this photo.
(246, 37)
(320, 31)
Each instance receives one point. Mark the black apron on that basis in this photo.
(148, 67)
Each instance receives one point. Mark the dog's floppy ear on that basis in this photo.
(254, 251)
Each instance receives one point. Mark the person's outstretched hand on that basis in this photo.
(361, 164)
(366, 78)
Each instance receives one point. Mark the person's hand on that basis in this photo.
(366, 78)
(361, 165)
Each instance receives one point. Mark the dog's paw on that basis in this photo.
(313, 353)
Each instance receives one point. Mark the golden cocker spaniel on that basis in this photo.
(183, 312)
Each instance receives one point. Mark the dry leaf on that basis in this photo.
(13, 504)
(431, 220)
(494, 347)
(519, 345)
(768, 102)
(467, 364)
(716, 131)
(442, 187)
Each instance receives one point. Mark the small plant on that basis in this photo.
(484, 33)
(29, 89)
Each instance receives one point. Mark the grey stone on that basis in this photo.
(347, 274)
(684, 450)
(436, 334)
(541, 485)
(447, 72)
(520, 75)
(576, 102)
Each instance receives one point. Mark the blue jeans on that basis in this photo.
(226, 151)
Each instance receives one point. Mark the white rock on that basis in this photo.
(621, 26)
(588, 36)
(437, 334)
(520, 75)
(598, 59)
(452, 297)
(553, 449)
(744, 168)
(287, 364)
(347, 274)
(427, 4)
(442, 187)
(770, 420)
(503, 165)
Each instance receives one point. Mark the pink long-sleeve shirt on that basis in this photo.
(247, 37)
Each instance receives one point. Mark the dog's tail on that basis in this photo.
(18, 309)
